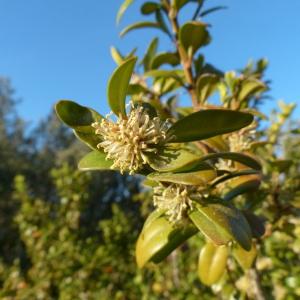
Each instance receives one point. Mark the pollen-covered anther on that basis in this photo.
(175, 200)
(128, 140)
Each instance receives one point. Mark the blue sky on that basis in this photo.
(60, 49)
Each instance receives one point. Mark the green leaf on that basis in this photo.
(256, 224)
(206, 85)
(242, 158)
(150, 53)
(169, 58)
(217, 144)
(95, 160)
(90, 139)
(173, 159)
(159, 238)
(76, 116)
(139, 25)
(212, 263)
(249, 88)
(123, 9)
(118, 86)
(245, 258)
(149, 8)
(192, 178)
(208, 123)
(193, 35)
(116, 55)
(80, 119)
(222, 224)
(242, 185)
(165, 73)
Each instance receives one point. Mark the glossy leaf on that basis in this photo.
(76, 116)
(174, 160)
(123, 9)
(169, 58)
(194, 35)
(159, 238)
(245, 258)
(80, 119)
(208, 123)
(191, 178)
(118, 86)
(139, 25)
(206, 85)
(212, 263)
(95, 160)
(221, 224)
(242, 158)
(242, 185)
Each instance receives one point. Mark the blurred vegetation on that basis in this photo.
(65, 234)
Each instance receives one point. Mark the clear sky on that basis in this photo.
(60, 49)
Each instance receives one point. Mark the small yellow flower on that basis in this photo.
(128, 140)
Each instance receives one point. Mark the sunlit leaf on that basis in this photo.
(80, 118)
(221, 224)
(242, 185)
(243, 257)
(208, 123)
(212, 263)
(139, 25)
(192, 178)
(206, 85)
(169, 58)
(123, 9)
(173, 159)
(118, 86)
(95, 160)
(159, 238)
(193, 35)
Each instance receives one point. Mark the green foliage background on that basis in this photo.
(65, 234)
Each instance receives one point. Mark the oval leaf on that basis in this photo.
(242, 185)
(149, 8)
(76, 116)
(80, 119)
(206, 85)
(159, 238)
(208, 123)
(118, 85)
(95, 160)
(222, 224)
(174, 160)
(169, 58)
(212, 263)
(194, 35)
(192, 178)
